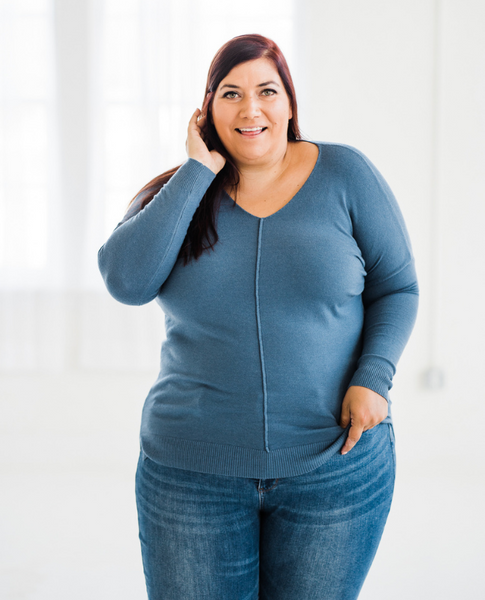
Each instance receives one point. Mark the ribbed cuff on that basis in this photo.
(376, 374)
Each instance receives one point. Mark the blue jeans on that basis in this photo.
(310, 537)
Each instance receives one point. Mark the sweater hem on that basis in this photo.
(235, 461)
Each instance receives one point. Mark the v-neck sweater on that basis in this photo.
(266, 332)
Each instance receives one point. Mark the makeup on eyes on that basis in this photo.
(273, 92)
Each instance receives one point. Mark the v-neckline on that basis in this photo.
(310, 176)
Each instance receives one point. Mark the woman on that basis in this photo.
(287, 278)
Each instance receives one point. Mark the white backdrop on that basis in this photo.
(95, 97)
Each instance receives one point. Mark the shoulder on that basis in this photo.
(348, 164)
(342, 154)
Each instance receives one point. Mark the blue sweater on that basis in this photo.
(266, 332)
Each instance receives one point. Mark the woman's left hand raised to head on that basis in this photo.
(363, 409)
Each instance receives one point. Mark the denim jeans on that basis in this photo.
(310, 537)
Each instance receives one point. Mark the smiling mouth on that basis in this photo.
(251, 131)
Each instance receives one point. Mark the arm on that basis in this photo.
(140, 253)
(142, 250)
(390, 298)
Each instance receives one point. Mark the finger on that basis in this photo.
(194, 118)
(201, 127)
(199, 117)
(344, 415)
(355, 433)
(196, 125)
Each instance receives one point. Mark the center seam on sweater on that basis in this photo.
(260, 337)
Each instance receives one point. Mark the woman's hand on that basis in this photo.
(197, 148)
(364, 409)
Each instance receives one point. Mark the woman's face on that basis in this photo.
(250, 111)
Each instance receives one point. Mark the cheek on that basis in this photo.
(282, 116)
(221, 130)
(221, 118)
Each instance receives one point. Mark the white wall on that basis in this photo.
(404, 82)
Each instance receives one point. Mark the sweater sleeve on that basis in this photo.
(390, 295)
(142, 250)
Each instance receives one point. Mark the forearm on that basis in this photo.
(388, 323)
(140, 253)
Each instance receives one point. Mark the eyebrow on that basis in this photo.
(230, 85)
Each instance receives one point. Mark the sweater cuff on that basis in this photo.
(374, 373)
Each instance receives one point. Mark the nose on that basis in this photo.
(249, 107)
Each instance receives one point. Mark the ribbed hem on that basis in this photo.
(220, 459)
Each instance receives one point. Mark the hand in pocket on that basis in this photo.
(363, 409)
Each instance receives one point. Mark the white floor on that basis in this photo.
(68, 527)
(71, 534)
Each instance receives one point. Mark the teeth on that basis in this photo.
(251, 129)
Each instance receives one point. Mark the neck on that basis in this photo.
(267, 172)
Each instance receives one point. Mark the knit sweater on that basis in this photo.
(266, 332)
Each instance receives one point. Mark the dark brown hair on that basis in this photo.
(202, 234)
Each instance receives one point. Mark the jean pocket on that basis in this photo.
(375, 431)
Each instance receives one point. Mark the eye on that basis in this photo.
(228, 95)
(270, 92)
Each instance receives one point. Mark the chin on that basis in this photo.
(251, 158)
(257, 150)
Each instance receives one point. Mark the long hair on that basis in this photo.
(202, 234)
